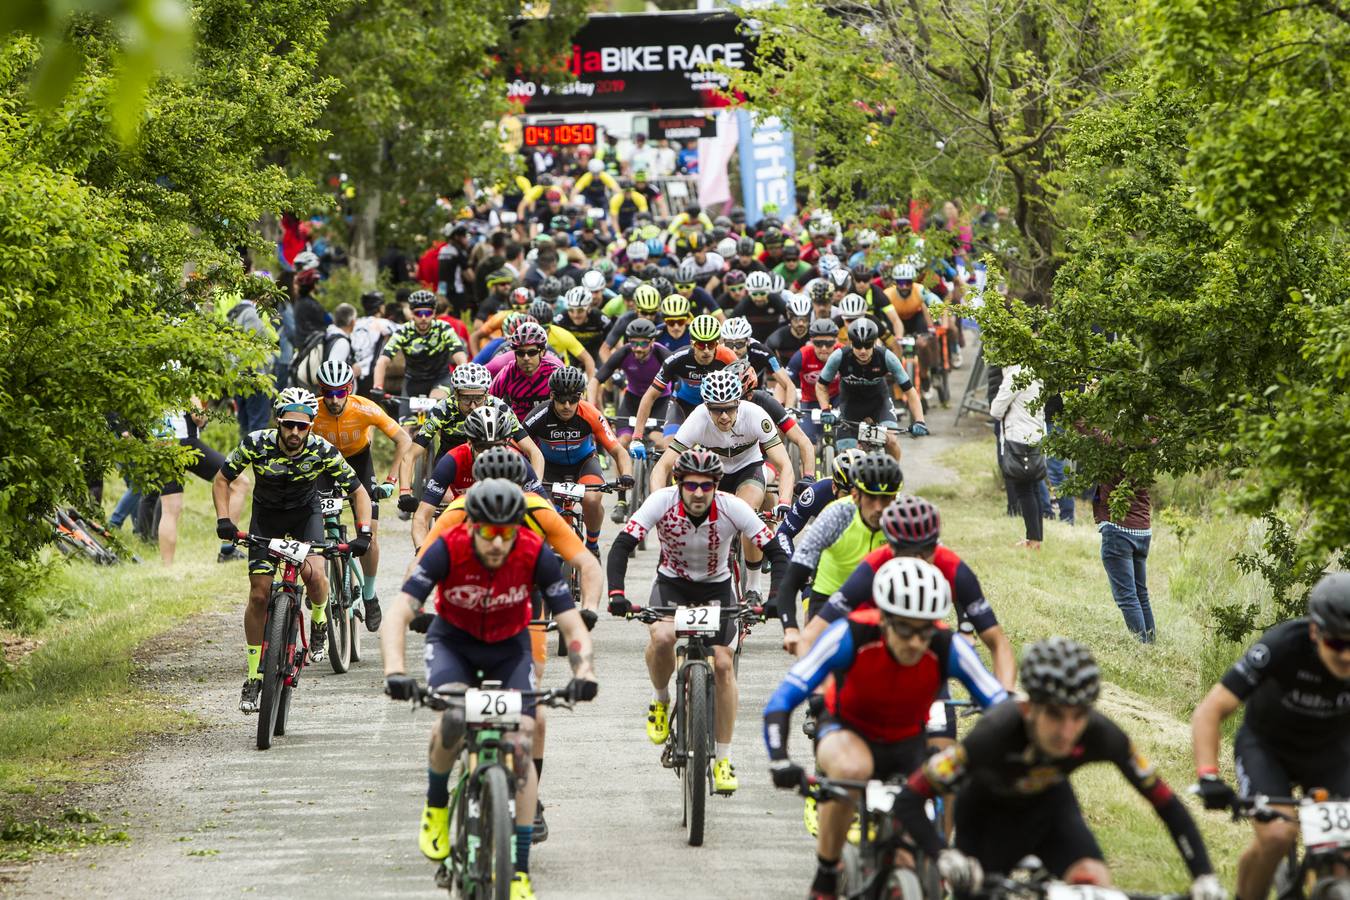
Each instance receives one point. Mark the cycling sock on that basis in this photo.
(254, 658)
(827, 875)
(438, 789)
(320, 614)
(368, 587)
(592, 537)
(661, 696)
(539, 768)
(754, 579)
(723, 750)
(524, 838)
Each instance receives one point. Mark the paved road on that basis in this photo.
(332, 809)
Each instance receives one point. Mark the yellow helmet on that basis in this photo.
(675, 307)
(705, 329)
(647, 298)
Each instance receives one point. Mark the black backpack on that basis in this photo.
(304, 368)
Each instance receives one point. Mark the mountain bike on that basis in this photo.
(285, 647)
(869, 869)
(413, 414)
(345, 614)
(566, 497)
(1324, 825)
(1031, 882)
(690, 747)
(77, 536)
(938, 375)
(481, 863)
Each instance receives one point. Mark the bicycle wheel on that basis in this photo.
(273, 662)
(339, 617)
(356, 622)
(697, 720)
(944, 392)
(496, 835)
(291, 662)
(826, 466)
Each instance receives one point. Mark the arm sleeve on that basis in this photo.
(833, 652)
(831, 370)
(616, 565)
(432, 567)
(548, 577)
(897, 370)
(441, 478)
(965, 664)
(972, 603)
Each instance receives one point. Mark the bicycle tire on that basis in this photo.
(826, 467)
(853, 873)
(289, 659)
(274, 653)
(943, 386)
(697, 719)
(339, 618)
(498, 834)
(358, 623)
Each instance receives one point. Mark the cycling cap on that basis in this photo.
(295, 399)
(495, 501)
(736, 329)
(913, 589)
(698, 461)
(471, 376)
(705, 328)
(567, 380)
(501, 462)
(910, 523)
(1060, 671)
(877, 473)
(335, 374)
(1329, 604)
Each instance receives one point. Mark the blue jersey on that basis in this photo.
(807, 506)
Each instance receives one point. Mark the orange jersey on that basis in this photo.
(349, 431)
(907, 306)
(540, 516)
(495, 322)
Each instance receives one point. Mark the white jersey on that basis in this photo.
(740, 447)
(697, 552)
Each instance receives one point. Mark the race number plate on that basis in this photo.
(295, 551)
(907, 344)
(881, 796)
(701, 620)
(492, 707)
(1060, 891)
(507, 217)
(1325, 823)
(331, 506)
(569, 491)
(420, 404)
(871, 434)
(652, 424)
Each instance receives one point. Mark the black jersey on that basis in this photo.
(1293, 702)
(784, 343)
(428, 355)
(763, 319)
(284, 482)
(590, 333)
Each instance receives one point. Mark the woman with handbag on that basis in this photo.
(1022, 426)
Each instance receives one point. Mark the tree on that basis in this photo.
(423, 85)
(955, 98)
(95, 237)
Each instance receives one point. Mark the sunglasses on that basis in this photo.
(723, 410)
(337, 394)
(823, 345)
(293, 425)
(567, 399)
(687, 286)
(706, 345)
(906, 631)
(858, 346)
(1336, 644)
(735, 345)
(759, 293)
(528, 351)
(639, 345)
(681, 322)
(424, 313)
(698, 487)
(492, 532)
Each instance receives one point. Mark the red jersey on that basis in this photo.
(810, 374)
(490, 604)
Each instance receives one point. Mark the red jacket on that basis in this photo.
(490, 604)
(428, 266)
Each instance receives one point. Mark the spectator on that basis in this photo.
(644, 156)
(310, 317)
(396, 265)
(545, 265)
(1056, 469)
(663, 159)
(428, 263)
(687, 159)
(454, 278)
(1020, 425)
(1125, 544)
(338, 342)
(255, 409)
(368, 338)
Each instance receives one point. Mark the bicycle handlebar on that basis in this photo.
(315, 549)
(442, 699)
(650, 614)
(607, 487)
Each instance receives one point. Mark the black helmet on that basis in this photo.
(697, 461)
(745, 246)
(641, 328)
(823, 328)
(550, 288)
(861, 272)
(1329, 604)
(910, 523)
(629, 287)
(495, 501)
(877, 473)
(501, 462)
(542, 310)
(863, 331)
(664, 285)
(1060, 671)
(567, 380)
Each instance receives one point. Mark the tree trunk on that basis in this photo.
(365, 255)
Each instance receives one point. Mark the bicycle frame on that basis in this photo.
(1318, 861)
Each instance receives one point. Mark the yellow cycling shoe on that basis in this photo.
(810, 817)
(520, 887)
(658, 722)
(724, 777)
(434, 838)
(855, 831)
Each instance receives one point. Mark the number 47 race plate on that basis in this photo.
(1325, 824)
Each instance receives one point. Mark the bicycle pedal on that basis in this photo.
(443, 877)
(668, 756)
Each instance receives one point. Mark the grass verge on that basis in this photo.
(75, 704)
(1062, 589)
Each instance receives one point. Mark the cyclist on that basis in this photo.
(888, 664)
(812, 501)
(646, 305)
(675, 318)
(733, 284)
(686, 285)
(762, 308)
(833, 545)
(862, 367)
(684, 371)
(1295, 685)
(570, 432)
(484, 427)
(585, 323)
(910, 301)
(743, 435)
(523, 382)
(806, 364)
(484, 573)
(696, 524)
(787, 339)
(445, 421)
(639, 358)
(429, 347)
(1011, 778)
(738, 337)
(345, 421)
(287, 462)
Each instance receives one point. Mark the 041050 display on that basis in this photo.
(561, 134)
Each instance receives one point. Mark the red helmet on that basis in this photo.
(910, 523)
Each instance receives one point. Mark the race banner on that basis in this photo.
(681, 128)
(642, 61)
(768, 171)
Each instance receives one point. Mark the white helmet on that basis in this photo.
(593, 281)
(470, 377)
(777, 283)
(736, 329)
(532, 256)
(295, 399)
(841, 278)
(721, 387)
(903, 272)
(867, 238)
(726, 248)
(798, 305)
(578, 297)
(637, 251)
(828, 263)
(595, 166)
(335, 374)
(909, 587)
(305, 260)
(758, 282)
(852, 306)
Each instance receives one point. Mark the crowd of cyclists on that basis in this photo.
(713, 374)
